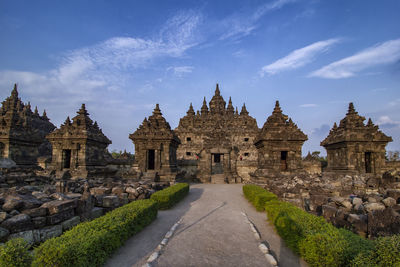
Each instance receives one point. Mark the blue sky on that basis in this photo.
(123, 57)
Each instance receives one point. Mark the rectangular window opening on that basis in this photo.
(188, 139)
(217, 158)
(246, 154)
(188, 153)
(368, 162)
(246, 139)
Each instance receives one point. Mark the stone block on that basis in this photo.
(374, 206)
(68, 224)
(18, 223)
(50, 232)
(3, 216)
(12, 204)
(100, 190)
(39, 222)
(59, 217)
(117, 190)
(357, 200)
(36, 212)
(57, 206)
(328, 211)
(3, 234)
(97, 212)
(389, 202)
(28, 236)
(110, 202)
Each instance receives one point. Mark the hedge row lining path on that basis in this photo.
(212, 232)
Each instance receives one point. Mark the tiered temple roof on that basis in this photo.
(81, 127)
(352, 129)
(279, 127)
(155, 127)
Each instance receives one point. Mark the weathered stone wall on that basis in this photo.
(367, 204)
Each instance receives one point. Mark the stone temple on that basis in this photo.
(354, 147)
(22, 132)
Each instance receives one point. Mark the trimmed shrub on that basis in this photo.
(168, 197)
(15, 253)
(385, 252)
(91, 243)
(314, 239)
(258, 196)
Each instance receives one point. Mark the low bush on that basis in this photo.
(258, 196)
(385, 252)
(91, 243)
(168, 197)
(15, 253)
(314, 239)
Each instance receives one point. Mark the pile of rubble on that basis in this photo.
(368, 205)
(37, 213)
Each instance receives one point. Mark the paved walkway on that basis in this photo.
(212, 232)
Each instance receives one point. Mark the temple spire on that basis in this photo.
(351, 109)
(230, 108)
(83, 110)
(204, 108)
(14, 92)
(244, 110)
(190, 112)
(157, 110)
(36, 111)
(277, 108)
(217, 92)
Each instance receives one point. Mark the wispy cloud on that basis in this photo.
(387, 122)
(308, 105)
(380, 54)
(298, 57)
(240, 25)
(106, 72)
(181, 70)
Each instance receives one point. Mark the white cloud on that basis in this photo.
(384, 53)
(240, 25)
(387, 122)
(308, 105)
(181, 70)
(96, 75)
(298, 57)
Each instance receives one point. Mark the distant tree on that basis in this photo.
(393, 155)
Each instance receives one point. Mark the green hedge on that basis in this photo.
(91, 243)
(385, 252)
(168, 197)
(314, 239)
(15, 253)
(258, 196)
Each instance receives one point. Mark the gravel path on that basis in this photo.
(213, 230)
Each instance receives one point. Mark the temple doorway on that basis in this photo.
(217, 163)
(284, 160)
(368, 162)
(66, 158)
(150, 159)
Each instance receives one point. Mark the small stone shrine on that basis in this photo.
(355, 148)
(79, 147)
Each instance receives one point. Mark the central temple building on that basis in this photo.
(218, 141)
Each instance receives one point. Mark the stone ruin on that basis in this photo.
(217, 144)
(155, 148)
(354, 147)
(279, 146)
(79, 147)
(22, 132)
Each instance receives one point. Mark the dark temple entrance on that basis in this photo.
(368, 162)
(66, 158)
(283, 160)
(216, 163)
(150, 159)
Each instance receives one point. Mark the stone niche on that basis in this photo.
(217, 142)
(155, 148)
(279, 145)
(79, 147)
(22, 132)
(355, 147)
